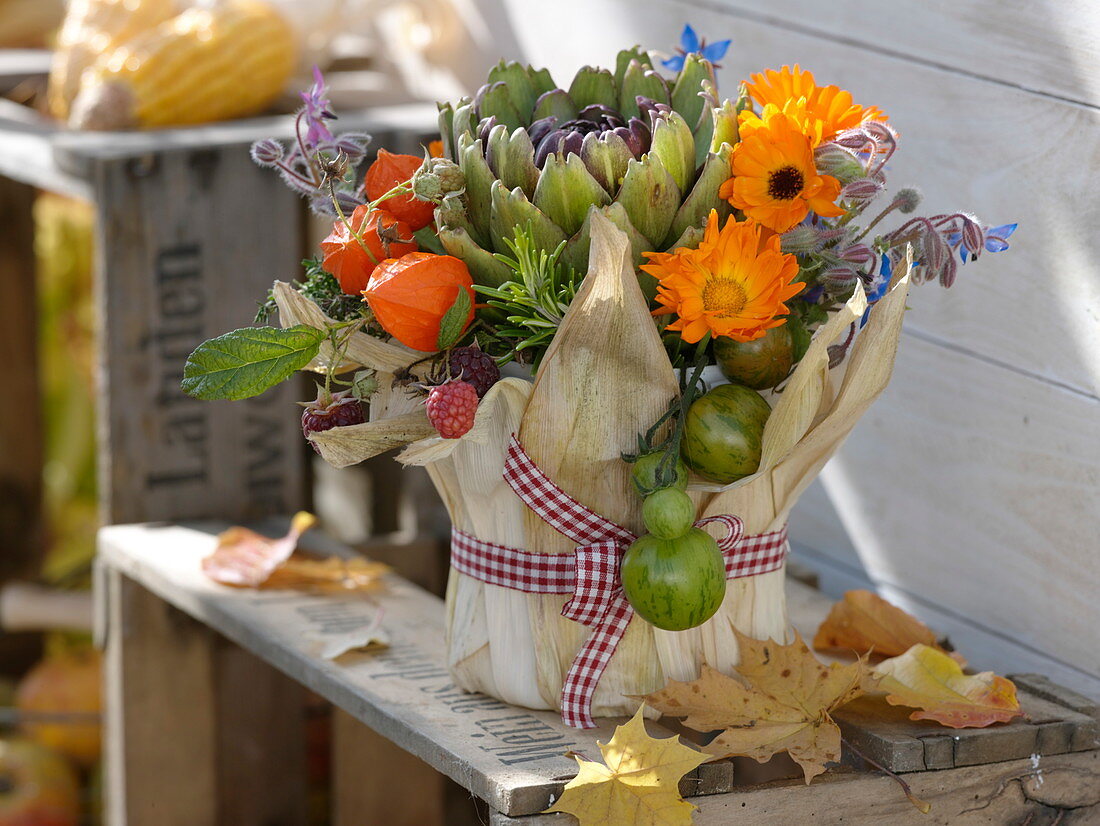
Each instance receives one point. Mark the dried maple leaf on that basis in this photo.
(638, 785)
(865, 623)
(783, 705)
(931, 681)
(330, 575)
(246, 559)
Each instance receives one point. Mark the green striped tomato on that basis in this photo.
(723, 432)
(668, 513)
(674, 584)
(644, 473)
(758, 364)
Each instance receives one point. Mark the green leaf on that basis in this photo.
(245, 363)
(453, 323)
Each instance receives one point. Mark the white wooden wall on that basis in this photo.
(971, 492)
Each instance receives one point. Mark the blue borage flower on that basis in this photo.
(996, 240)
(691, 44)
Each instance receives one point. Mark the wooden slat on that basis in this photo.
(171, 274)
(999, 793)
(376, 781)
(1050, 48)
(1007, 500)
(198, 732)
(21, 419)
(512, 758)
(159, 683)
(887, 736)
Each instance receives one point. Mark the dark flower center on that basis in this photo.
(785, 183)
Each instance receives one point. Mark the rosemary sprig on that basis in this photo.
(534, 302)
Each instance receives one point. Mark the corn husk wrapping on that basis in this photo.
(489, 640)
(605, 378)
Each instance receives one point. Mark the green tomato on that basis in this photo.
(644, 473)
(759, 364)
(668, 513)
(723, 433)
(674, 584)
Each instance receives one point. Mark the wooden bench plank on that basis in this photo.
(999, 793)
(512, 758)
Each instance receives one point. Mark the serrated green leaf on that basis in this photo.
(453, 323)
(245, 363)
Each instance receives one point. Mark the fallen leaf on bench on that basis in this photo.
(865, 623)
(333, 574)
(930, 681)
(784, 704)
(246, 559)
(638, 782)
(372, 637)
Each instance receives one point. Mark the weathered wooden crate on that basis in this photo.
(189, 236)
(151, 590)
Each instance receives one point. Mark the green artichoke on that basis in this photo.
(648, 153)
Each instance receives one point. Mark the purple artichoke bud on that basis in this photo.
(571, 143)
(548, 146)
(598, 113)
(484, 127)
(479, 97)
(863, 189)
(637, 137)
(267, 152)
(907, 199)
(860, 255)
(651, 109)
(541, 128)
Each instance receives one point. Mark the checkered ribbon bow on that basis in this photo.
(591, 573)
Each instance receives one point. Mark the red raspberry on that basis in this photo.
(330, 410)
(474, 365)
(451, 408)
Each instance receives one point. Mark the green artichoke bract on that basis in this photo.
(647, 152)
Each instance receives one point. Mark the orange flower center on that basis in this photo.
(785, 183)
(724, 296)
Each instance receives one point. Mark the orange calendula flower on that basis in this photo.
(735, 284)
(775, 181)
(821, 112)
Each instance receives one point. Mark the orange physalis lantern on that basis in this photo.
(388, 171)
(352, 262)
(410, 295)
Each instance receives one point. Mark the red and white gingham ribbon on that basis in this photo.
(590, 573)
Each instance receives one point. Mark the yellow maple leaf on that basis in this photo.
(638, 785)
(783, 705)
(931, 681)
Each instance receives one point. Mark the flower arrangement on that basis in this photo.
(706, 297)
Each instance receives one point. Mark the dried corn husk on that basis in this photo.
(490, 642)
(605, 377)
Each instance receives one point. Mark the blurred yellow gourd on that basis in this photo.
(223, 60)
(93, 28)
